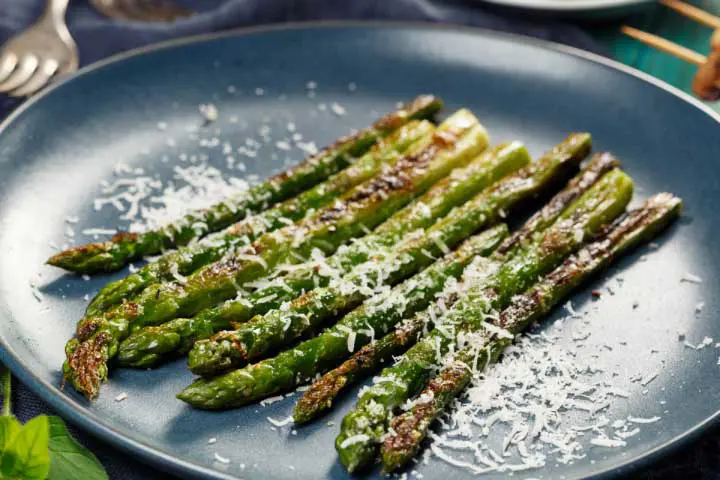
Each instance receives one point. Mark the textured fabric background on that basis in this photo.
(98, 37)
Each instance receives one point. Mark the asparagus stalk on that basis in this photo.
(378, 316)
(233, 348)
(323, 392)
(364, 427)
(125, 247)
(364, 206)
(599, 165)
(188, 259)
(299, 364)
(410, 428)
(150, 345)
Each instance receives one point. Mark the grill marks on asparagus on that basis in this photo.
(599, 205)
(123, 248)
(301, 363)
(151, 344)
(553, 233)
(234, 348)
(323, 392)
(598, 165)
(188, 259)
(625, 233)
(239, 387)
(402, 181)
(410, 428)
(220, 281)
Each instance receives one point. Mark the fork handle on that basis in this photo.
(55, 10)
(54, 17)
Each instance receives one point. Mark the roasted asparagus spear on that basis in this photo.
(126, 247)
(368, 359)
(150, 345)
(363, 207)
(232, 348)
(378, 316)
(410, 428)
(363, 428)
(187, 259)
(298, 364)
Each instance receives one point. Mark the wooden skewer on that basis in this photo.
(706, 83)
(690, 56)
(701, 16)
(693, 13)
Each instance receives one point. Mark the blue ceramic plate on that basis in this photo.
(55, 150)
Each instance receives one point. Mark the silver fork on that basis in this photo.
(29, 60)
(141, 10)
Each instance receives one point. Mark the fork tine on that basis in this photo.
(7, 65)
(40, 78)
(21, 74)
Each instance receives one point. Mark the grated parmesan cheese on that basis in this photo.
(280, 423)
(691, 278)
(209, 111)
(221, 459)
(353, 440)
(642, 420)
(351, 341)
(270, 400)
(608, 442)
(541, 401)
(337, 109)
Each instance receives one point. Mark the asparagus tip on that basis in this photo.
(199, 394)
(399, 448)
(93, 257)
(318, 398)
(86, 366)
(217, 354)
(80, 259)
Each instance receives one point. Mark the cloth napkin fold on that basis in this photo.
(98, 37)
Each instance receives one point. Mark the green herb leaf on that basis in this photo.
(68, 459)
(26, 456)
(9, 427)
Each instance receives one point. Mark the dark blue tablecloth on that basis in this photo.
(98, 37)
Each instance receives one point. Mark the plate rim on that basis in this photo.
(566, 6)
(99, 427)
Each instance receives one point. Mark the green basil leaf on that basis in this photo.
(9, 427)
(68, 459)
(27, 456)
